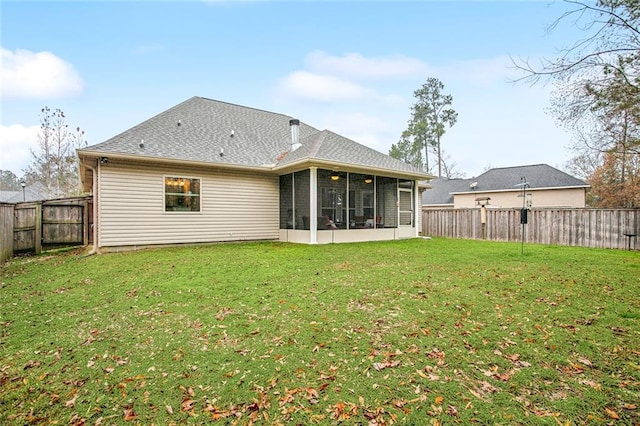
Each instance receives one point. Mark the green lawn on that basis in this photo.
(407, 332)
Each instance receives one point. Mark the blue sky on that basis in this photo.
(350, 67)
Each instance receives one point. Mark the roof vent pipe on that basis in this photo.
(295, 131)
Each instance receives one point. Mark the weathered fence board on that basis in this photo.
(601, 228)
(27, 232)
(62, 224)
(51, 224)
(6, 232)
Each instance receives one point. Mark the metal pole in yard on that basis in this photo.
(523, 212)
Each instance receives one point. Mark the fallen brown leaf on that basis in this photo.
(128, 414)
(187, 404)
(612, 414)
(72, 401)
(585, 361)
(452, 410)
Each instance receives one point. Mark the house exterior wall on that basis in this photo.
(234, 206)
(572, 197)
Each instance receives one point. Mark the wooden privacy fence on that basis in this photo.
(6, 231)
(601, 228)
(51, 224)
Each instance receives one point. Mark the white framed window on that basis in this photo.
(181, 194)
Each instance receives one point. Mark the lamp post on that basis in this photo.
(23, 184)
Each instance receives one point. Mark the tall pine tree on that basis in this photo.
(429, 116)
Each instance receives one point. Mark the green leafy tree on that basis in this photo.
(54, 164)
(430, 115)
(407, 151)
(9, 181)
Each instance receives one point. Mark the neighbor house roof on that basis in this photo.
(33, 192)
(203, 130)
(538, 176)
(442, 189)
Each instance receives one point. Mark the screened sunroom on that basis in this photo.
(323, 206)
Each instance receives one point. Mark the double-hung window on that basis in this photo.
(181, 194)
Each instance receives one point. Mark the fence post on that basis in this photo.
(38, 228)
(6, 231)
(85, 220)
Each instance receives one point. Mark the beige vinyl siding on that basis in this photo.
(571, 197)
(235, 205)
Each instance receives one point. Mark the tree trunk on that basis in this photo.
(439, 159)
(426, 157)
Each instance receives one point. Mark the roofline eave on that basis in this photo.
(143, 158)
(306, 162)
(341, 166)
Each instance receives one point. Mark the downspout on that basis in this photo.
(94, 187)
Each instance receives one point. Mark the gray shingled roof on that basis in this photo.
(331, 147)
(537, 175)
(442, 190)
(500, 179)
(200, 128)
(33, 192)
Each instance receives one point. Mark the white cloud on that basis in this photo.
(323, 88)
(499, 123)
(328, 78)
(40, 75)
(310, 86)
(479, 72)
(366, 129)
(354, 65)
(16, 143)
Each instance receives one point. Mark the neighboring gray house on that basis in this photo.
(547, 187)
(33, 192)
(440, 196)
(206, 171)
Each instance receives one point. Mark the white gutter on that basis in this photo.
(145, 159)
(94, 187)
